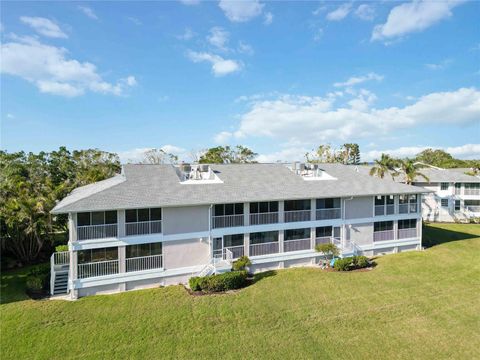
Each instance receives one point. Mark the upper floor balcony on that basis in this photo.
(391, 205)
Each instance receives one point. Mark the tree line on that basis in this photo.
(31, 184)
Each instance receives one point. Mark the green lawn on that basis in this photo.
(416, 305)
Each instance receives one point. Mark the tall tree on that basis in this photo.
(438, 158)
(323, 154)
(227, 155)
(349, 154)
(383, 166)
(159, 156)
(410, 170)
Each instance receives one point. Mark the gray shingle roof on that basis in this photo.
(159, 186)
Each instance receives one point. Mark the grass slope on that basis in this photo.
(417, 305)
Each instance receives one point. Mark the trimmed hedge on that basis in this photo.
(37, 278)
(221, 282)
(241, 263)
(351, 263)
(60, 248)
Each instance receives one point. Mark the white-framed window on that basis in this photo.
(443, 186)
(457, 205)
(444, 202)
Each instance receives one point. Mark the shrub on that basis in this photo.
(39, 270)
(34, 283)
(241, 263)
(327, 249)
(361, 262)
(221, 282)
(60, 248)
(343, 264)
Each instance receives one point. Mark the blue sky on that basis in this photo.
(279, 77)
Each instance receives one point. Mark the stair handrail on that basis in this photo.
(228, 255)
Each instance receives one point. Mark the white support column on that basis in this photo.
(246, 244)
(313, 235)
(72, 227)
(72, 274)
(246, 214)
(122, 265)
(121, 223)
(313, 209)
(281, 239)
(281, 211)
(395, 229)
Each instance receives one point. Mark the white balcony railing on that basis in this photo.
(296, 245)
(224, 221)
(97, 231)
(384, 235)
(142, 263)
(379, 210)
(323, 240)
(264, 249)
(61, 258)
(143, 227)
(327, 214)
(236, 252)
(100, 268)
(263, 218)
(471, 191)
(407, 233)
(473, 208)
(297, 215)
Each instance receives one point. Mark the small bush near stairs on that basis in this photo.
(221, 282)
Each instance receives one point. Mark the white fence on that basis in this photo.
(227, 221)
(100, 268)
(327, 214)
(236, 252)
(144, 263)
(143, 227)
(383, 235)
(297, 215)
(97, 231)
(61, 258)
(407, 233)
(264, 218)
(323, 240)
(264, 249)
(296, 245)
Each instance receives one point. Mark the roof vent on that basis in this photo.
(196, 174)
(310, 171)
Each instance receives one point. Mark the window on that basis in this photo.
(444, 202)
(443, 186)
(263, 237)
(295, 205)
(263, 207)
(382, 226)
(141, 215)
(407, 224)
(96, 218)
(228, 209)
(323, 231)
(403, 199)
(379, 200)
(96, 255)
(233, 240)
(457, 205)
(458, 188)
(332, 203)
(295, 234)
(139, 250)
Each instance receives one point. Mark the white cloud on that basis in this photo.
(190, 2)
(10, 116)
(219, 38)
(414, 16)
(241, 11)
(310, 119)
(319, 10)
(88, 12)
(187, 34)
(467, 151)
(365, 12)
(223, 137)
(355, 80)
(284, 155)
(48, 68)
(134, 20)
(43, 26)
(220, 66)
(268, 18)
(440, 66)
(317, 34)
(245, 48)
(340, 13)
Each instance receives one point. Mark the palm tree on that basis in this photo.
(410, 170)
(384, 165)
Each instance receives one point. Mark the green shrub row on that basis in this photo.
(351, 263)
(221, 282)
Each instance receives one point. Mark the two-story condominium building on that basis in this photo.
(156, 225)
(455, 196)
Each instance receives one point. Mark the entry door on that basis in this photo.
(218, 247)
